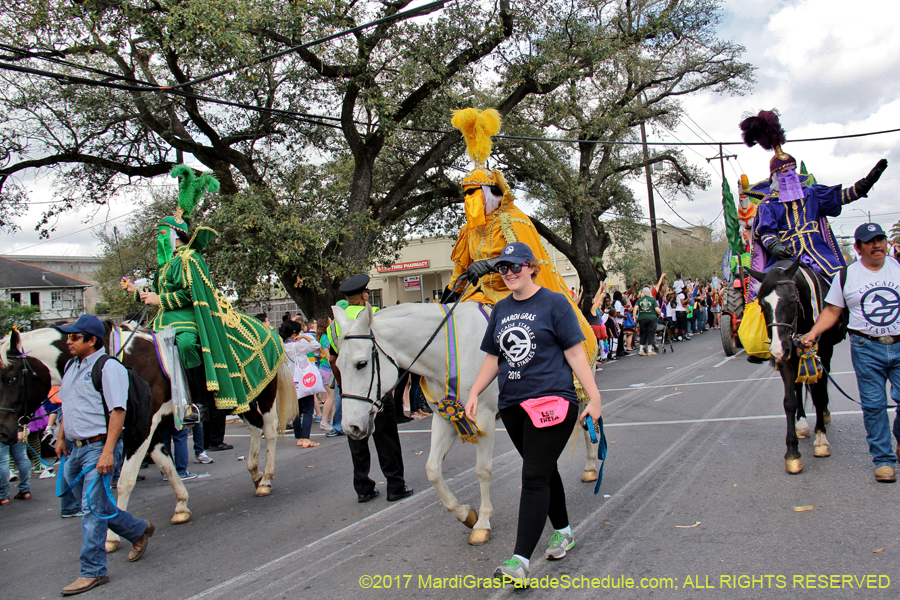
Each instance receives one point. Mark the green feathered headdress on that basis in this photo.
(190, 189)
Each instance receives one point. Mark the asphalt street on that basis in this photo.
(695, 503)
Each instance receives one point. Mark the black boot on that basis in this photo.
(196, 378)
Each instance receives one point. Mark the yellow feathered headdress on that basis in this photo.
(477, 127)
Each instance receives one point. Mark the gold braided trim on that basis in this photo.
(212, 386)
(219, 366)
(506, 228)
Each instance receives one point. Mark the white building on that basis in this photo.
(58, 296)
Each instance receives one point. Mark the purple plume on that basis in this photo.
(763, 129)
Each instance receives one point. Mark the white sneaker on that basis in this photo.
(47, 474)
(203, 458)
(652, 352)
(642, 353)
(325, 426)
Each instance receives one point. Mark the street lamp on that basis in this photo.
(865, 212)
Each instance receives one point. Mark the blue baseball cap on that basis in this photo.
(516, 253)
(868, 231)
(88, 324)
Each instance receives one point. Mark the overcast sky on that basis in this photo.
(829, 67)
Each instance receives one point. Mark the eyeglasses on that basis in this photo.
(502, 269)
(76, 336)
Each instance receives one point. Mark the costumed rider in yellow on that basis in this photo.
(228, 357)
(492, 222)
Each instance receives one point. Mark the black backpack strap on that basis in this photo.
(97, 378)
(842, 273)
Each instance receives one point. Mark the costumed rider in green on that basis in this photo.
(228, 357)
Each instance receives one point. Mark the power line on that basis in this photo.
(413, 12)
(69, 234)
(314, 119)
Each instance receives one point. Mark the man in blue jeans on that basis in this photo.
(870, 288)
(93, 441)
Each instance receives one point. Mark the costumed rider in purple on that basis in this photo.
(791, 220)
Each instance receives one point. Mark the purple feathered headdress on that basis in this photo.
(764, 129)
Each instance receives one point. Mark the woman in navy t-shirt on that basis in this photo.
(533, 345)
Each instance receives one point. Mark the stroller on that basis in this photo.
(663, 335)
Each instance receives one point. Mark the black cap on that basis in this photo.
(867, 231)
(355, 285)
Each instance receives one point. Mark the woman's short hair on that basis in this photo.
(646, 291)
(537, 269)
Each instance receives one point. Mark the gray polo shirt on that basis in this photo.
(83, 415)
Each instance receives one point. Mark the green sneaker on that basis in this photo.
(513, 570)
(559, 544)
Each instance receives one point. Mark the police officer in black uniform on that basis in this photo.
(386, 437)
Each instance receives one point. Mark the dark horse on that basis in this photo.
(787, 294)
(33, 361)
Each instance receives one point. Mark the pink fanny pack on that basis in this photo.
(546, 411)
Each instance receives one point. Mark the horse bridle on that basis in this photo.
(793, 325)
(376, 366)
(376, 362)
(23, 400)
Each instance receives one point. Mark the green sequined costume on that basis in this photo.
(239, 354)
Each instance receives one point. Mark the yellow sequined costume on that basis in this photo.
(484, 235)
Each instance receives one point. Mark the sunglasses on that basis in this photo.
(76, 336)
(503, 269)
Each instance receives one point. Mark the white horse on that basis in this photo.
(373, 349)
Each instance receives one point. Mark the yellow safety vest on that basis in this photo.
(334, 332)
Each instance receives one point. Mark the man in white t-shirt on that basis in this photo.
(871, 290)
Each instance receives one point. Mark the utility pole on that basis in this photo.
(721, 156)
(653, 233)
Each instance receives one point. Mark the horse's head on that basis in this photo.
(779, 301)
(24, 384)
(366, 373)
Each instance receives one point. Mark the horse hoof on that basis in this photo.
(111, 546)
(793, 465)
(263, 490)
(471, 520)
(827, 417)
(821, 450)
(589, 475)
(479, 537)
(180, 517)
(803, 433)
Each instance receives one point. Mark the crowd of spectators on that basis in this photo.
(646, 315)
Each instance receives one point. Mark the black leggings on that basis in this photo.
(542, 488)
(648, 331)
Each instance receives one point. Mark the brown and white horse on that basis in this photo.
(46, 354)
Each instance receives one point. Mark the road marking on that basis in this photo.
(716, 419)
(391, 515)
(667, 396)
(666, 385)
(719, 364)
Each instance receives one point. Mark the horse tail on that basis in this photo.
(286, 397)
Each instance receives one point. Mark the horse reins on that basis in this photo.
(376, 362)
(793, 325)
